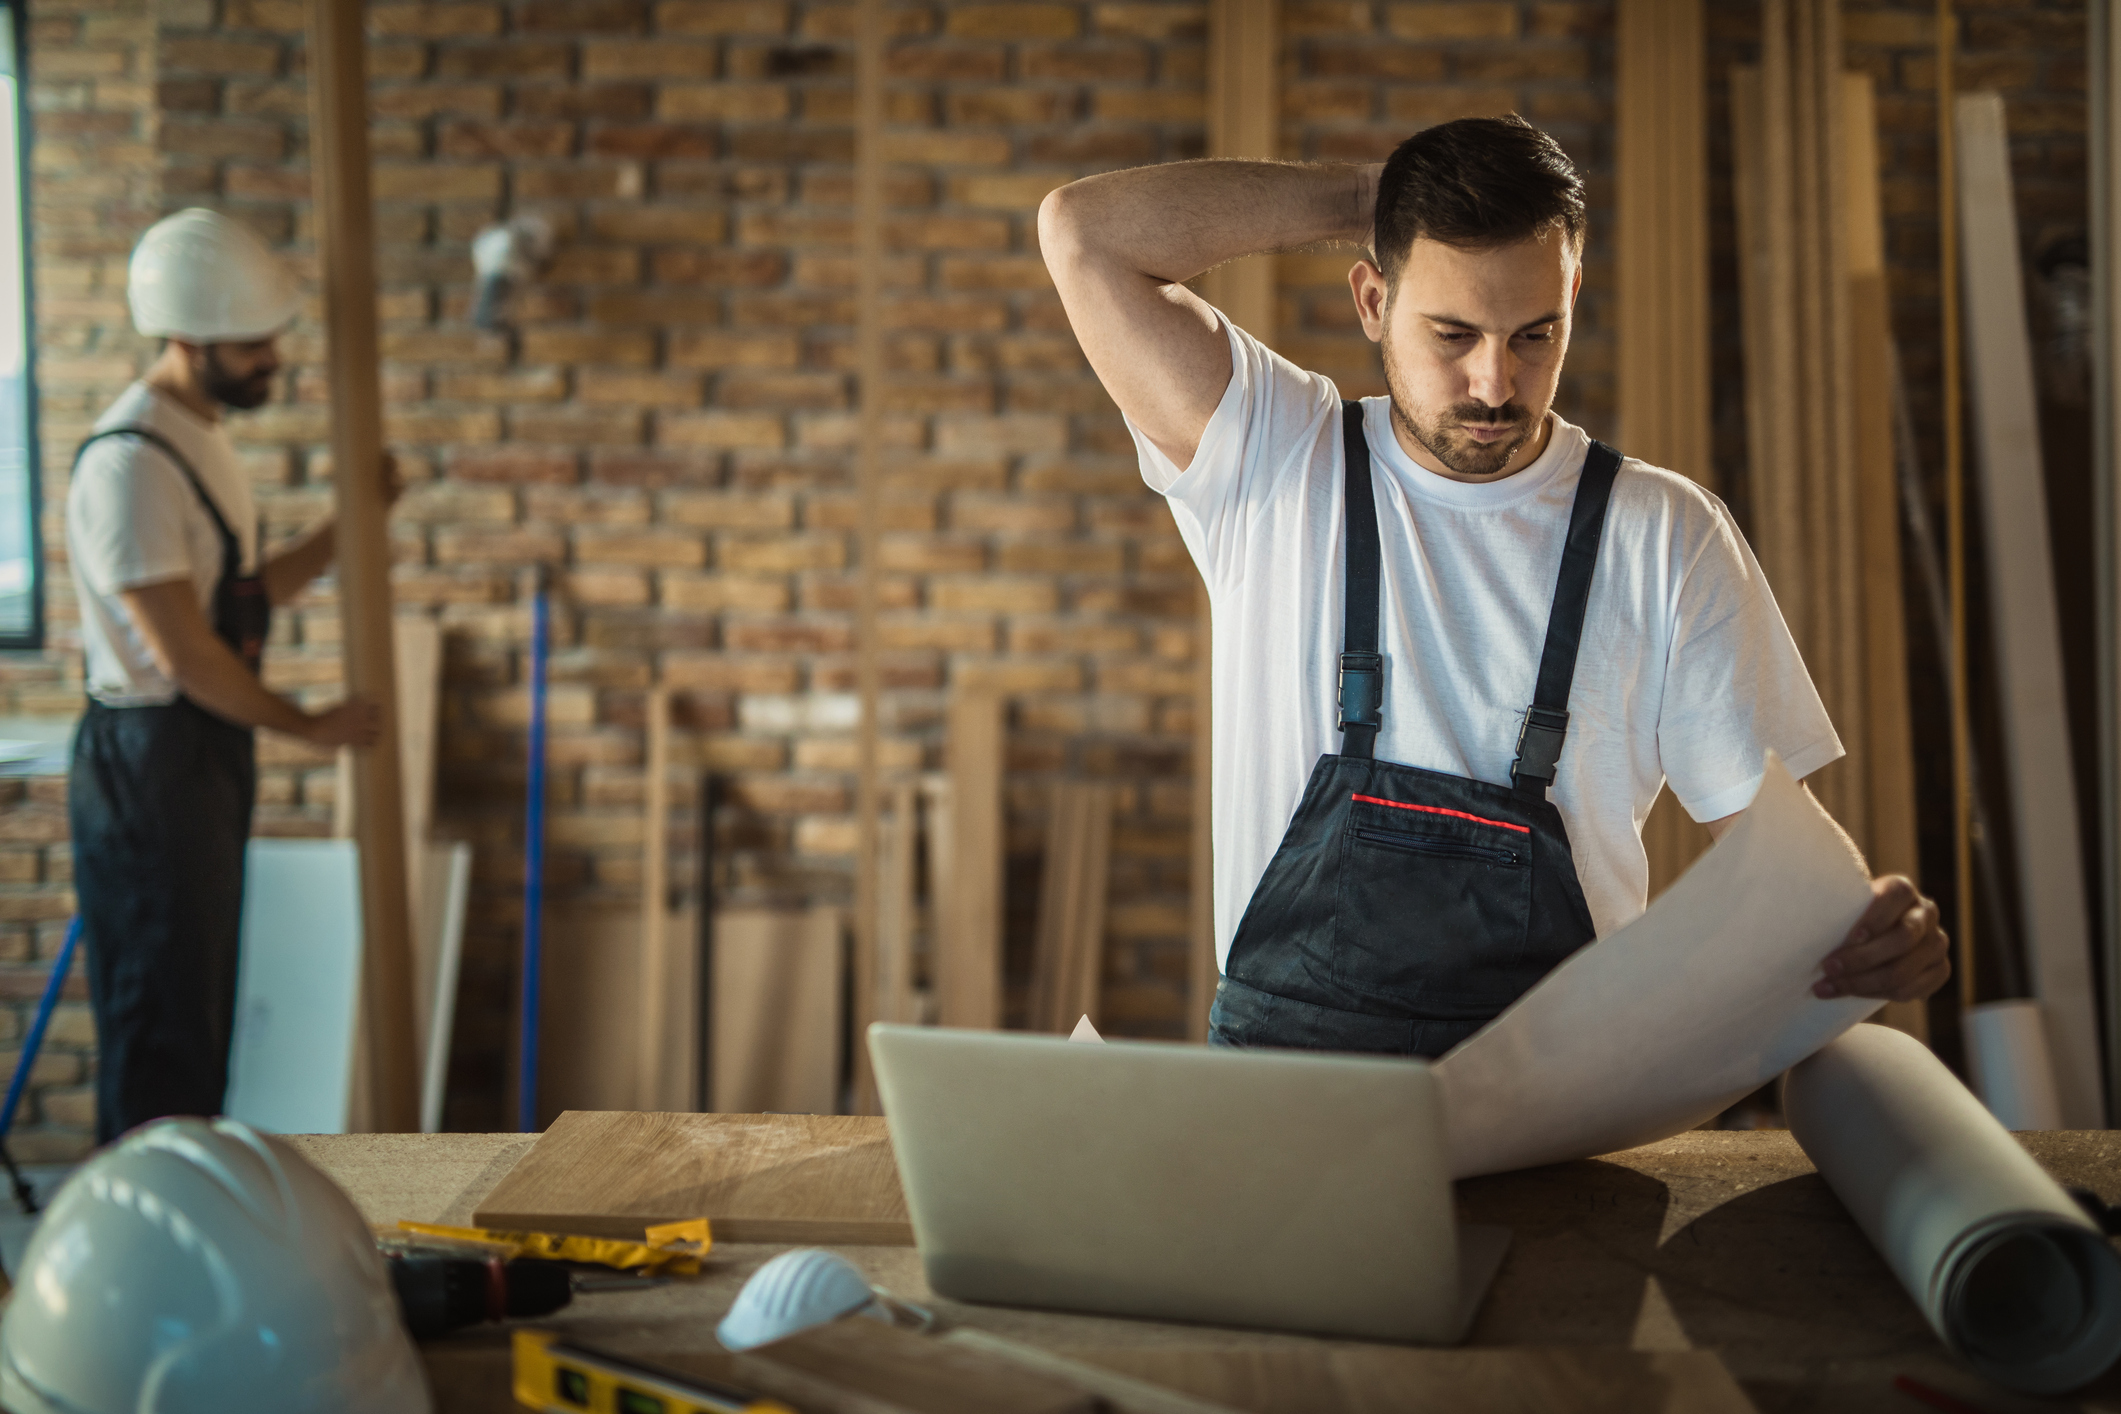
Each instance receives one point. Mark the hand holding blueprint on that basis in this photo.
(1703, 999)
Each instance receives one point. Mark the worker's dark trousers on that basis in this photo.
(160, 799)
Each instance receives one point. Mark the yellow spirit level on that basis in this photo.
(559, 1378)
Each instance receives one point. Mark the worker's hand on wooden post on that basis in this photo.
(1896, 951)
(393, 480)
(356, 722)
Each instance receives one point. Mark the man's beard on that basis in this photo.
(1443, 439)
(240, 393)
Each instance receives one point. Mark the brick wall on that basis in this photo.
(666, 433)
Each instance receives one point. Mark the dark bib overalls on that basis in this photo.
(159, 799)
(1406, 908)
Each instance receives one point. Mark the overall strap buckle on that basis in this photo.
(1362, 690)
(1539, 747)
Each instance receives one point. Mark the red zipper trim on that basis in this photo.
(1439, 810)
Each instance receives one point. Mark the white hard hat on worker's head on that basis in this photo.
(201, 1266)
(203, 278)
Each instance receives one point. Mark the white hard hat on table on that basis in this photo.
(200, 1266)
(203, 278)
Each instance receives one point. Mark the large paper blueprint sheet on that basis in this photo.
(2005, 1265)
(1703, 999)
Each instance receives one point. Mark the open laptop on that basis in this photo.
(1274, 1189)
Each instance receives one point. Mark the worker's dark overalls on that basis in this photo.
(159, 799)
(1405, 908)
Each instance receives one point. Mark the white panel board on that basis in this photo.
(2022, 604)
(298, 986)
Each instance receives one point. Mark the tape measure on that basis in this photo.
(560, 1378)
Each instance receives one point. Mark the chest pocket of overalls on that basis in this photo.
(1464, 883)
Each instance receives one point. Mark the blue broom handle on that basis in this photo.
(34, 1042)
(533, 873)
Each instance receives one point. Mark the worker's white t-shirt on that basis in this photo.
(133, 519)
(1686, 671)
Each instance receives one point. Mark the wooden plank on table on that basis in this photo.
(775, 1036)
(2027, 636)
(1889, 757)
(339, 161)
(967, 966)
(811, 1179)
(1316, 1378)
(652, 980)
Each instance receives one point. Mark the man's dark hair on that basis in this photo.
(1476, 183)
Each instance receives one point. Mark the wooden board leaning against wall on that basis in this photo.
(1662, 271)
(1244, 107)
(1817, 341)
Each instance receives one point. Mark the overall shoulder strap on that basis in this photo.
(1546, 721)
(168, 449)
(1362, 667)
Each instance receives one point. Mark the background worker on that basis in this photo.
(1425, 797)
(176, 596)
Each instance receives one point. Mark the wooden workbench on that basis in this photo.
(1724, 1241)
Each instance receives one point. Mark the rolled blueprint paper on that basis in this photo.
(2005, 1265)
(2014, 1071)
(1671, 1019)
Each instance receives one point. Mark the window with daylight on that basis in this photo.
(21, 559)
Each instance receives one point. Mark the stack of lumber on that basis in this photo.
(1793, 264)
(1818, 353)
(1068, 962)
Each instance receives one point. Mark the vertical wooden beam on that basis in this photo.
(655, 903)
(1244, 111)
(898, 838)
(338, 94)
(869, 358)
(1889, 756)
(968, 956)
(1662, 271)
(2106, 498)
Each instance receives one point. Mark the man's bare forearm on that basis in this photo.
(1174, 221)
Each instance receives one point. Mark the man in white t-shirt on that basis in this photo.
(176, 595)
(1458, 645)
